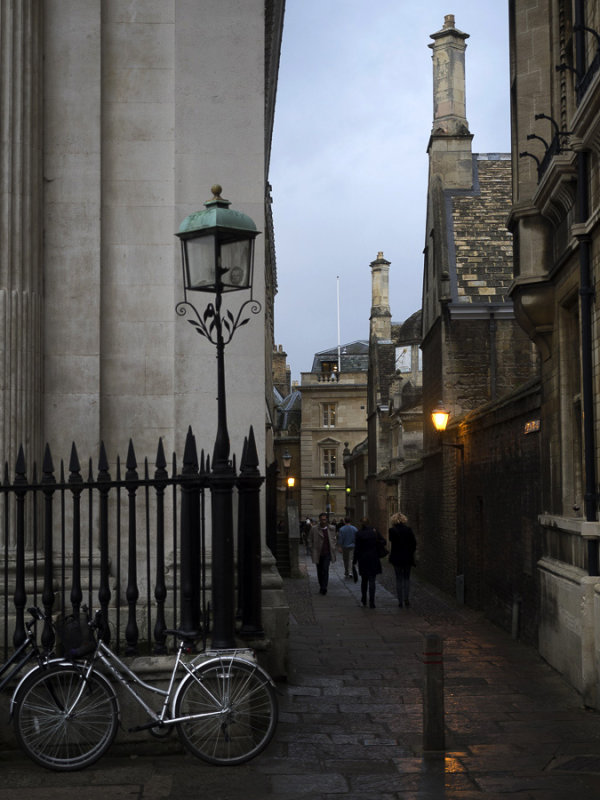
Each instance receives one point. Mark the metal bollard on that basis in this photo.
(433, 694)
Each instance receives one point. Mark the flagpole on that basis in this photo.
(338, 326)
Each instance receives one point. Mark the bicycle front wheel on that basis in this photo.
(230, 711)
(62, 724)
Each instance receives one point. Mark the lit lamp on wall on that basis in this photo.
(217, 249)
(440, 416)
(286, 459)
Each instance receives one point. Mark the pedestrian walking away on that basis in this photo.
(402, 555)
(346, 536)
(323, 544)
(306, 529)
(366, 554)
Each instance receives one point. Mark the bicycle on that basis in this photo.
(224, 707)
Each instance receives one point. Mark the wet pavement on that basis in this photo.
(351, 717)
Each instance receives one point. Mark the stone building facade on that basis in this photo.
(394, 400)
(555, 81)
(477, 362)
(108, 149)
(118, 118)
(334, 421)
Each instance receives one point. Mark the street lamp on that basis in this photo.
(287, 461)
(440, 416)
(327, 488)
(217, 249)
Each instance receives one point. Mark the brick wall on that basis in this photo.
(497, 542)
(502, 502)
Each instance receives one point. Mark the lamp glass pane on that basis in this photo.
(236, 260)
(201, 261)
(440, 419)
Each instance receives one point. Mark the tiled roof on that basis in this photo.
(354, 357)
(482, 243)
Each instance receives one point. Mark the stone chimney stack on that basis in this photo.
(282, 374)
(381, 317)
(450, 141)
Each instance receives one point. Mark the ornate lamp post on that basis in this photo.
(217, 248)
(327, 488)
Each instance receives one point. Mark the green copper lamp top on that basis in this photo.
(217, 214)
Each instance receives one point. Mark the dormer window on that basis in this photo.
(329, 368)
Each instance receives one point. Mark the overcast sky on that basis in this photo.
(349, 164)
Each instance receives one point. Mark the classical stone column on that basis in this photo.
(20, 229)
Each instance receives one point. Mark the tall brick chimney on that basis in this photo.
(381, 317)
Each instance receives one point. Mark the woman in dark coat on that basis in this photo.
(369, 565)
(402, 555)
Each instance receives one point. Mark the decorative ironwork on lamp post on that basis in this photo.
(217, 248)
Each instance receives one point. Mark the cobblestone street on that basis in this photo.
(351, 717)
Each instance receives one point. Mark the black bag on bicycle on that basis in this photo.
(74, 635)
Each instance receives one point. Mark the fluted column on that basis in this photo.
(20, 228)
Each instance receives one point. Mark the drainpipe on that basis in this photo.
(493, 328)
(586, 293)
(587, 296)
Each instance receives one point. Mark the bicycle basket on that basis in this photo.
(75, 637)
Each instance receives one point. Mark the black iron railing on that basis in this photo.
(132, 543)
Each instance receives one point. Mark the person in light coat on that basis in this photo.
(323, 544)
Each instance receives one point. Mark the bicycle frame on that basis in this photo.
(128, 679)
(20, 657)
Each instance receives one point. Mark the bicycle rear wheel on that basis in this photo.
(54, 733)
(240, 708)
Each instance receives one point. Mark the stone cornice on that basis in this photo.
(556, 190)
(473, 311)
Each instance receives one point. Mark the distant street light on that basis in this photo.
(287, 462)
